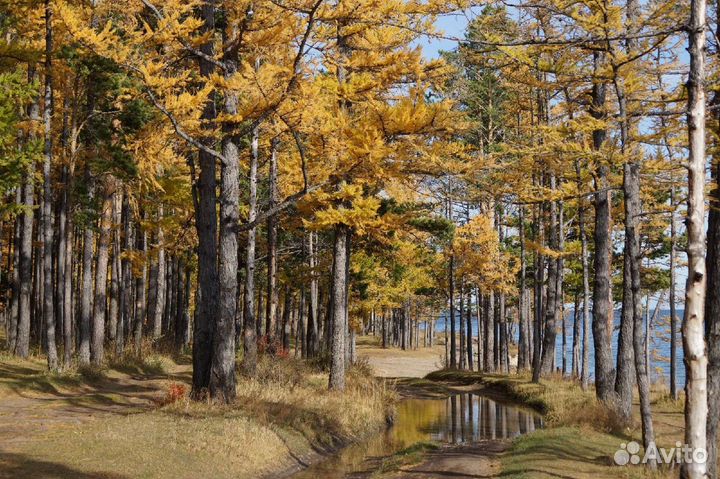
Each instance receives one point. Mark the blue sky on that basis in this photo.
(451, 26)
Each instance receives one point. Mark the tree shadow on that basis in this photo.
(22, 466)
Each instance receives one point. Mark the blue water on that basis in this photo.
(659, 344)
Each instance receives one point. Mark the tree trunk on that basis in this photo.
(47, 210)
(696, 394)
(272, 239)
(313, 336)
(207, 228)
(451, 282)
(22, 345)
(140, 284)
(87, 292)
(222, 375)
(160, 287)
(339, 307)
(468, 333)
(523, 343)
(12, 324)
(585, 375)
(101, 274)
(548, 349)
(602, 322)
(712, 301)
(249, 338)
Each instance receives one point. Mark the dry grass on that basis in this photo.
(281, 419)
(581, 433)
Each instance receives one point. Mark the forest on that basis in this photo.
(265, 233)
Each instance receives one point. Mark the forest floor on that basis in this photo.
(133, 420)
(126, 421)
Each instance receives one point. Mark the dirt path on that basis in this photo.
(31, 402)
(395, 363)
(478, 460)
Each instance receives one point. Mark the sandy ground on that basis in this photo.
(395, 363)
(479, 460)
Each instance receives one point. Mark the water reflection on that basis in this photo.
(457, 419)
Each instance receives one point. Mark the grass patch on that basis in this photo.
(283, 416)
(576, 452)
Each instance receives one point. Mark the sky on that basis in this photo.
(449, 25)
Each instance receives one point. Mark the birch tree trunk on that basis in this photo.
(696, 399)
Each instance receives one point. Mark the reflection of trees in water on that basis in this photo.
(459, 418)
(469, 417)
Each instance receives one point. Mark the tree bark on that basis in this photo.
(22, 345)
(222, 376)
(523, 343)
(451, 282)
(602, 322)
(712, 301)
(47, 210)
(101, 273)
(696, 393)
(339, 308)
(206, 226)
(87, 292)
(160, 287)
(249, 337)
(272, 238)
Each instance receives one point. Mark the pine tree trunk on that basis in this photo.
(468, 333)
(12, 323)
(585, 374)
(339, 307)
(22, 345)
(140, 285)
(207, 228)
(272, 238)
(548, 345)
(451, 282)
(160, 286)
(101, 274)
(115, 279)
(576, 338)
(523, 343)
(47, 210)
(313, 334)
(87, 292)
(249, 335)
(602, 322)
(125, 292)
(222, 376)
